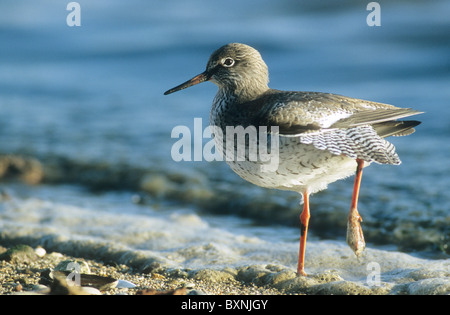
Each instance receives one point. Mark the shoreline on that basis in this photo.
(331, 266)
(29, 276)
(25, 276)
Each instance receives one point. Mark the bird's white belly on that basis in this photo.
(301, 167)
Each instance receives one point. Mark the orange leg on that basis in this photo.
(355, 237)
(304, 219)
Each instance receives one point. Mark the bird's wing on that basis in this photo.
(302, 112)
(374, 116)
(338, 124)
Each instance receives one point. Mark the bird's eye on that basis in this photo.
(228, 62)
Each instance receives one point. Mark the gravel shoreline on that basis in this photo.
(34, 271)
(30, 276)
(25, 270)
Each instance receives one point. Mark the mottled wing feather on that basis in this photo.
(360, 142)
(303, 111)
(300, 112)
(341, 125)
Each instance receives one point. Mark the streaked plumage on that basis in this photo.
(323, 137)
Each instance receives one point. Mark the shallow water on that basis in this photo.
(87, 102)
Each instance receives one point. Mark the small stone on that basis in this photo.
(189, 285)
(40, 252)
(124, 284)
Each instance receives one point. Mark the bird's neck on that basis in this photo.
(242, 93)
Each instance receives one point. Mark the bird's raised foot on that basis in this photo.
(355, 237)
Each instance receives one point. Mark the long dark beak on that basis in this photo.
(202, 77)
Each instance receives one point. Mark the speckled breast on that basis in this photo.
(278, 162)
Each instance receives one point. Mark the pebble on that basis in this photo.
(124, 284)
(40, 252)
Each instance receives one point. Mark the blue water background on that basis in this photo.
(94, 93)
